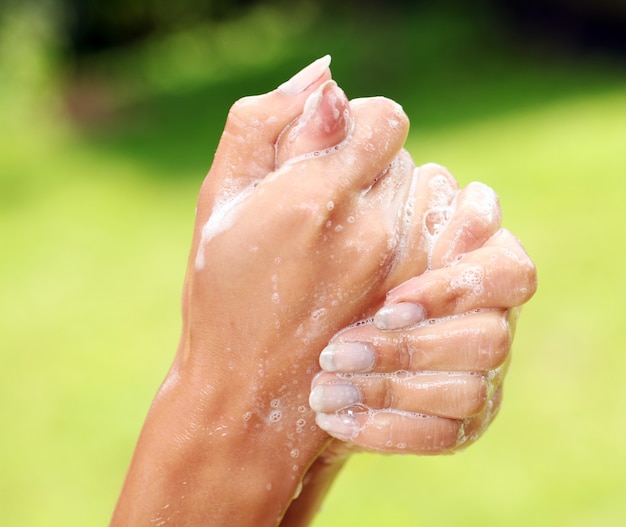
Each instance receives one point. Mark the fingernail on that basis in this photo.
(320, 130)
(304, 78)
(326, 110)
(347, 357)
(398, 316)
(341, 426)
(333, 397)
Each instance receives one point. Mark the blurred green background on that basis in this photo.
(109, 117)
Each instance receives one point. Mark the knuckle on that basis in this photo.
(482, 209)
(241, 115)
(480, 397)
(526, 269)
(241, 106)
(445, 180)
(494, 344)
(531, 279)
(386, 113)
(388, 398)
(447, 438)
(501, 342)
(404, 353)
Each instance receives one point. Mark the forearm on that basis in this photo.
(199, 461)
(315, 486)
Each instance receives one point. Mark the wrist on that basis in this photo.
(228, 453)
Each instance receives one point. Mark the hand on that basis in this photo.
(284, 254)
(425, 375)
(310, 214)
(378, 397)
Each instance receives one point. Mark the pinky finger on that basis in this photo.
(475, 427)
(395, 432)
(391, 432)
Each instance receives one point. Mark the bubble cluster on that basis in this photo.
(436, 219)
(275, 416)
(471, 278)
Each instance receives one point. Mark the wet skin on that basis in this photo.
(311, 214)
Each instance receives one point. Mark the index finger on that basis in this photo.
(498, 275)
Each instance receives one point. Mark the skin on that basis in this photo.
(289, 249)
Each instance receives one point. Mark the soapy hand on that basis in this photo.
(424, 376)
(311, 220)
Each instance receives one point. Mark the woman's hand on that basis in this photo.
(425, 375)
(286, 251)
(310, 214)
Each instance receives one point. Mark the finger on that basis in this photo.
(320, 130)
(428, 209)
(246, 154)
(476, 342)
(476, 217)
(378, 130)
(246, 150)
(475, 427)
(498, 275)
(443, 394)
(383, 208)
(394, 432)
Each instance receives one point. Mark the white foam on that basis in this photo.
(316, 153)
(441, 207)
(224, 214)
(471, 278)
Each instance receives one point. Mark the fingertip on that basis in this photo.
(399, 316)
(321, 129)
(391, 111)
(341, 426)
(347, 357)
(401, 432)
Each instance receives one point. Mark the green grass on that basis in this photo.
(95, 226)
